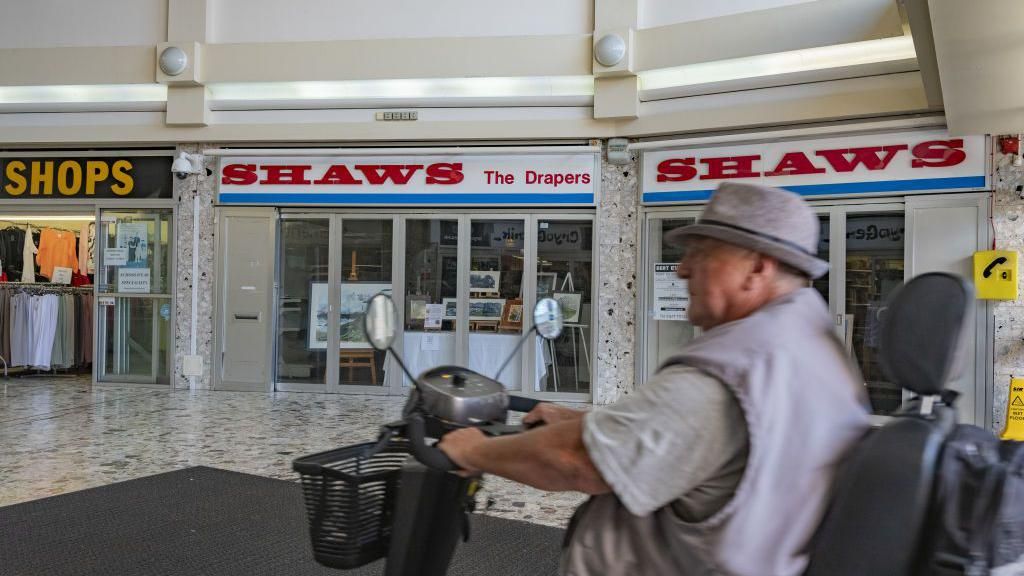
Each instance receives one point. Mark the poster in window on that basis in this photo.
(134, 237)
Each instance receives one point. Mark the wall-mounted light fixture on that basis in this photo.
(173, 61)
(610, 50)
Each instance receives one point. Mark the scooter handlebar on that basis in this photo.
(427, 455)
(521, 404)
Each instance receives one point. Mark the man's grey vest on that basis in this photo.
(804, 405)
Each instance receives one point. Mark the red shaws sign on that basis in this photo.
(880, 164)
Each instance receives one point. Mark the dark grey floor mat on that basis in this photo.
(218, 523)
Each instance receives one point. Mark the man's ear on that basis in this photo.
(762, 270)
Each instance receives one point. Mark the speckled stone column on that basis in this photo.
(618, 232)
(201, 187)
(1008, 219)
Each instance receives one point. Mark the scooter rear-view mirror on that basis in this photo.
(548, 318)
(380, 322)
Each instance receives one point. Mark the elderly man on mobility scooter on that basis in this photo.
(723, 462)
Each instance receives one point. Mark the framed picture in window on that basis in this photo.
(570, 303)
(485, 282)
(512, 316)
(486, 309)
(546, 282)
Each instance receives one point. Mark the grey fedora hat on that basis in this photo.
(768, 220)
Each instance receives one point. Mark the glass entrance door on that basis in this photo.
(432, 307)
(496, 295)
(320, 344)
(366, 257)
(668, 328)
(134, 296)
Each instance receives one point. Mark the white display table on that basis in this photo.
(486, 354)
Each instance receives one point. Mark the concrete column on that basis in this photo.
(199, 187)
(1008, 221)
(618, 234)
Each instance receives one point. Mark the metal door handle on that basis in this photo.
(247, 316)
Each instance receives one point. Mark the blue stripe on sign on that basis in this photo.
(845, 188)
(407, 199)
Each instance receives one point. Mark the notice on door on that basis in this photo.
(115, 256)
(106, 300)
(133, 280)
(671, 297)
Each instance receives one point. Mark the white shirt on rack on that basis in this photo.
(28, 253)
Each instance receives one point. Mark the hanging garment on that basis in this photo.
(28, 270)
(69, 330)
(12, 241)
(5, 324)
(44, 310)
(56, 250)
(22, 333)
(57, 349)
(86, 241)
(85, 330)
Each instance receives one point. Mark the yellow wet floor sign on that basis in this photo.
(1014, 429)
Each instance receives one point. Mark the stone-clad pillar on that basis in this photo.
(618, 231)
(201, 187)
(1008, 221)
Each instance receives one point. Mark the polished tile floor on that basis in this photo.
(60, 435)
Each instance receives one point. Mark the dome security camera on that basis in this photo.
(186, 164)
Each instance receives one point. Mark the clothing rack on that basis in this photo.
(72, 362)
(29, 223)
(46, 286)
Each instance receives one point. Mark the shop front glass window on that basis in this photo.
(496, 297)
(366, 253)
(431, 278)
(134, 290)
(874, 268)
(303, 301)
(564, 272)
(821, 284)
(668, 324)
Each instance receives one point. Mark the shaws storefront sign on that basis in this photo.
(465, 180)
(85, 178)
(892, 163)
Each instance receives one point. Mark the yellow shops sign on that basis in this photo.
(40, 178)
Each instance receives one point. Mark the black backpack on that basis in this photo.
(976, 521)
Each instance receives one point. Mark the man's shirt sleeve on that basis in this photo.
(666, 438)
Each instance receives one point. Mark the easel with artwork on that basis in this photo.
(572, 303)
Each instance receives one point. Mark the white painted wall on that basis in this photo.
(664, 12)
(53, 23)
(237, 21)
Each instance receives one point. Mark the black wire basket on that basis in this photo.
(350, 494)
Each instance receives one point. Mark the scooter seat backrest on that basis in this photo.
(922, 333)
(884, 486)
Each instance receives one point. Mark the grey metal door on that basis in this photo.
(943, 233)
(244, 290)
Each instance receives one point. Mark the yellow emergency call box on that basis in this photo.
(1014, 428)
(995, 274)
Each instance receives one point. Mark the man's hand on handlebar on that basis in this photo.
(548, 413)
(458, 444)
